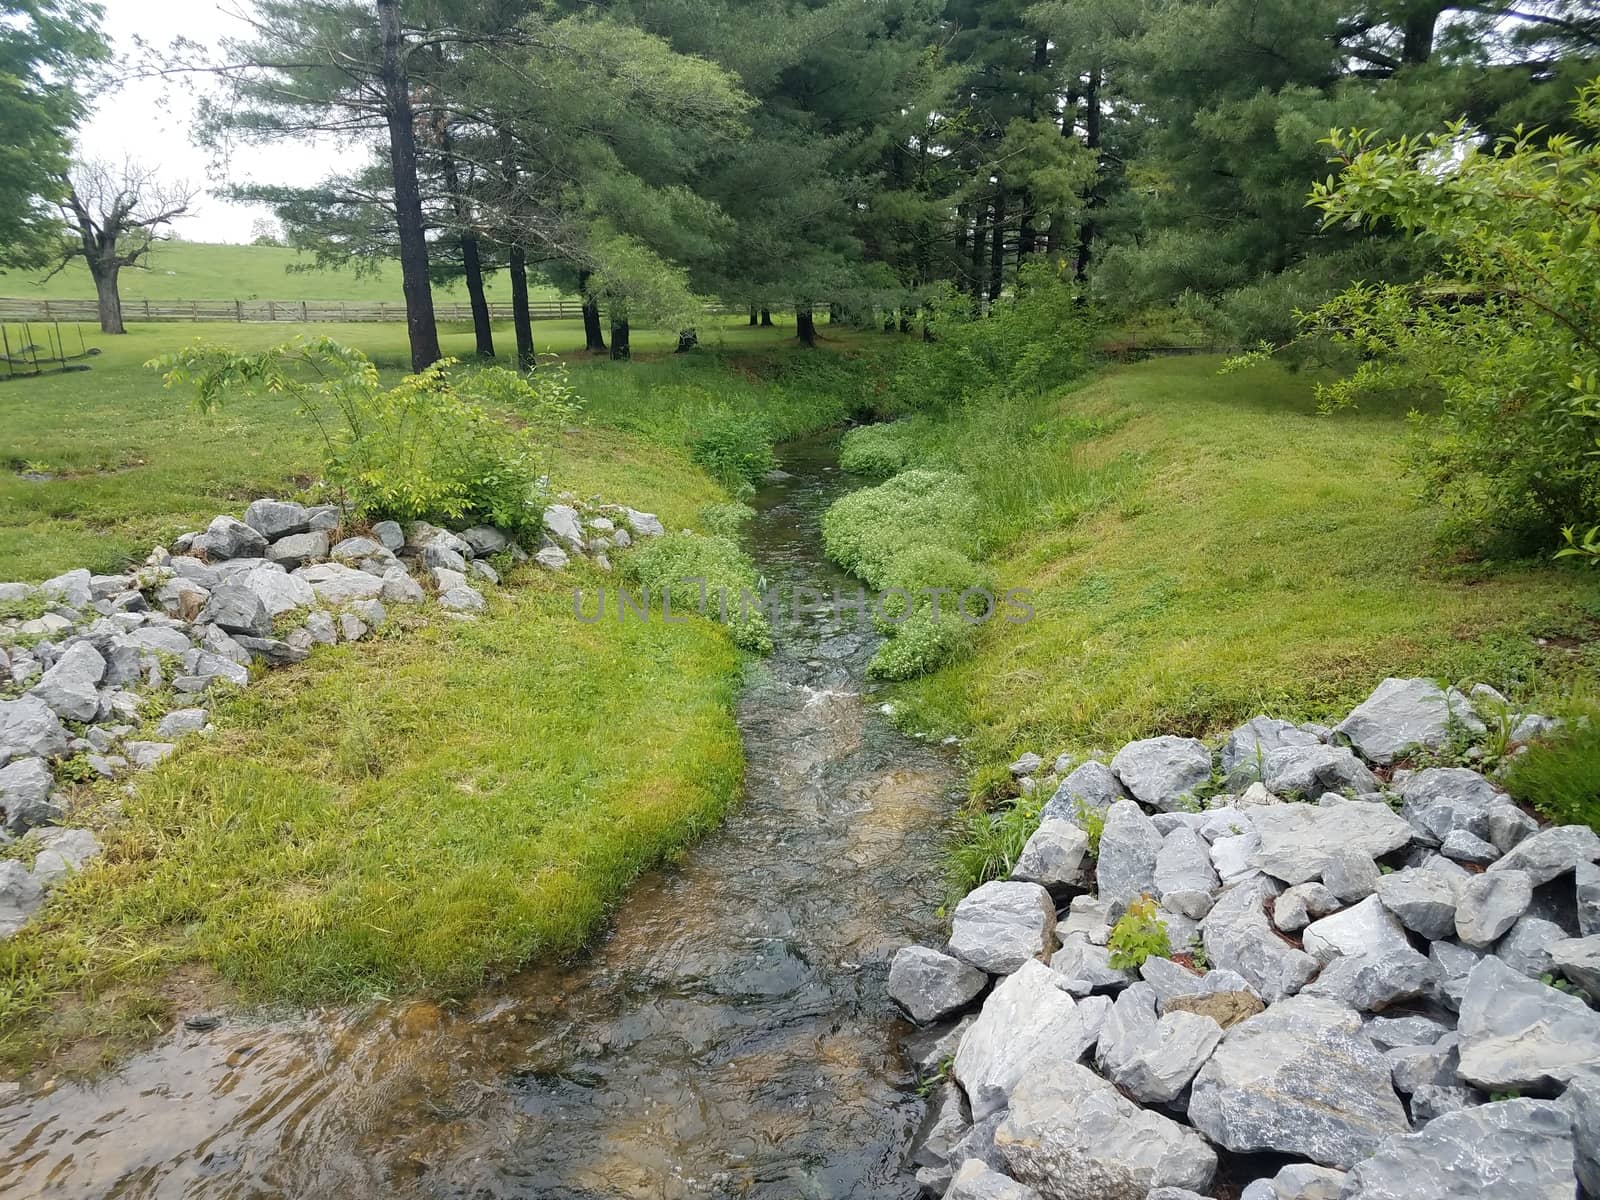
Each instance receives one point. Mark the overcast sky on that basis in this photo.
(149, 120)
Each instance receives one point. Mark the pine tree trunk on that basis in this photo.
(420, 326)
(521, 318)
(593, 340)
(805, 325)
(975, 263)
(753, 315)
(766, 318)
(482, 328)
(1027, 238)
(105, 286)
(997, 249)
(1091, 141)
(621, 348)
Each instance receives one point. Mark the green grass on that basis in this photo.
(1201, 548)
(134, 465)
(1560, 778)
(208, 271)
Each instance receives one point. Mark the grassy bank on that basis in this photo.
(415, 814)
(130, 464)
(1201, 548)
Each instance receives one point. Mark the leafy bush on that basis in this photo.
(1506, 333)
(734, 447)
(544, 400)
(726, 520)
(876, 450)
(674, 559)
(865, 531)
(1092, 821)
(1561, 778)
(423, 448)
(1030, 342)
(921, 645)
(1139, 934)
(985, 845)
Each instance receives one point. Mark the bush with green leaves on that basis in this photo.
(681, 561)
(1505, 334)
(867, 530)
(1560, 778)
(877, 451)
(727, 519)
(922, 644)
(425, 447)
(734, 447)
(1139, 934)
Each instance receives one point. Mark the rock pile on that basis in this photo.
(76, 679)
(1385, 984)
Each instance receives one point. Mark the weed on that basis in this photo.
(1139, 933)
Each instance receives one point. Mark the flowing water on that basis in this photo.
(729, 1036)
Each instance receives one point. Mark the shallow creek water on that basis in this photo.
(729, 1036)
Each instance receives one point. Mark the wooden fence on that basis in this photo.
(293, 311)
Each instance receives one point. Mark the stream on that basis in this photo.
(728, 1036)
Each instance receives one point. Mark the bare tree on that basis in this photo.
(117, 214)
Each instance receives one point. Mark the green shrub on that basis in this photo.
(929, 566)
(1139, 934)
(672, 560)
(865, 531)
(726, 520)
(734, 447)
(878, 451)
(922, 644)
(1092, 821)
(985, 845)
(1561, 778)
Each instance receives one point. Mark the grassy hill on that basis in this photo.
(206, 271)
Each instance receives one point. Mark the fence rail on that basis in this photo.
(291, 311)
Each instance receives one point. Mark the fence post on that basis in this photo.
(147, 308)
(238, 311)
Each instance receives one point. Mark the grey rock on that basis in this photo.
(976, 1180)
(1579, 960)
(70, 688)
(1413, 1067)
(643, 524)
(1163, 772)
(1403, 715)
(1301, 1079)
(1305, 1181)
(1129, 844)
(298, 549)
(1172, 1193)
(186, 567)
(275, 652)
(1002, 925)
(1430, 1101)
(1365, 928)
(944, 1125)
(1315, 770)
(1053, 856)
(1152, 1059)
(1424, 900)
(1172, 981)
(1074, 1136)
(1238, 937)
(1582, 1101)
(1509, 827)
(1026, 1023)
(1520, 1148)
(20, 896)
(1452, 964)
(552, 558)
(370, 611)
(1519, 1035)
(463, 599)
(26, 788)
(1297, 840)
(358, 549)
(237, 609)
(224, 646)
(1298, 906)
(929, 1050)
(561, 522)
(322, 629)
(443, 579)
(1531, 726)
(1389, 1032)
(1088, 916)
(1462, 846)
(324, 517)
(1527, 947)
(145, 755)
(1184, 878)
(1092, 784)
(181, 721)
(1440, 800)
(336, 584)
(104, 587)
(389, 535)
(156, 640)
(352, 628)
(182, 598)
(1233, 856)
(400, 588)
(1085, 968)
(1489, 904)
(1246, 749)
(930, 985)
(71, 588)
(1374, 981)
(61, 852)
(483, 571)
(485, 540)
(274, 519)
(1027, 764)
(227, 538)
(1551, 852)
